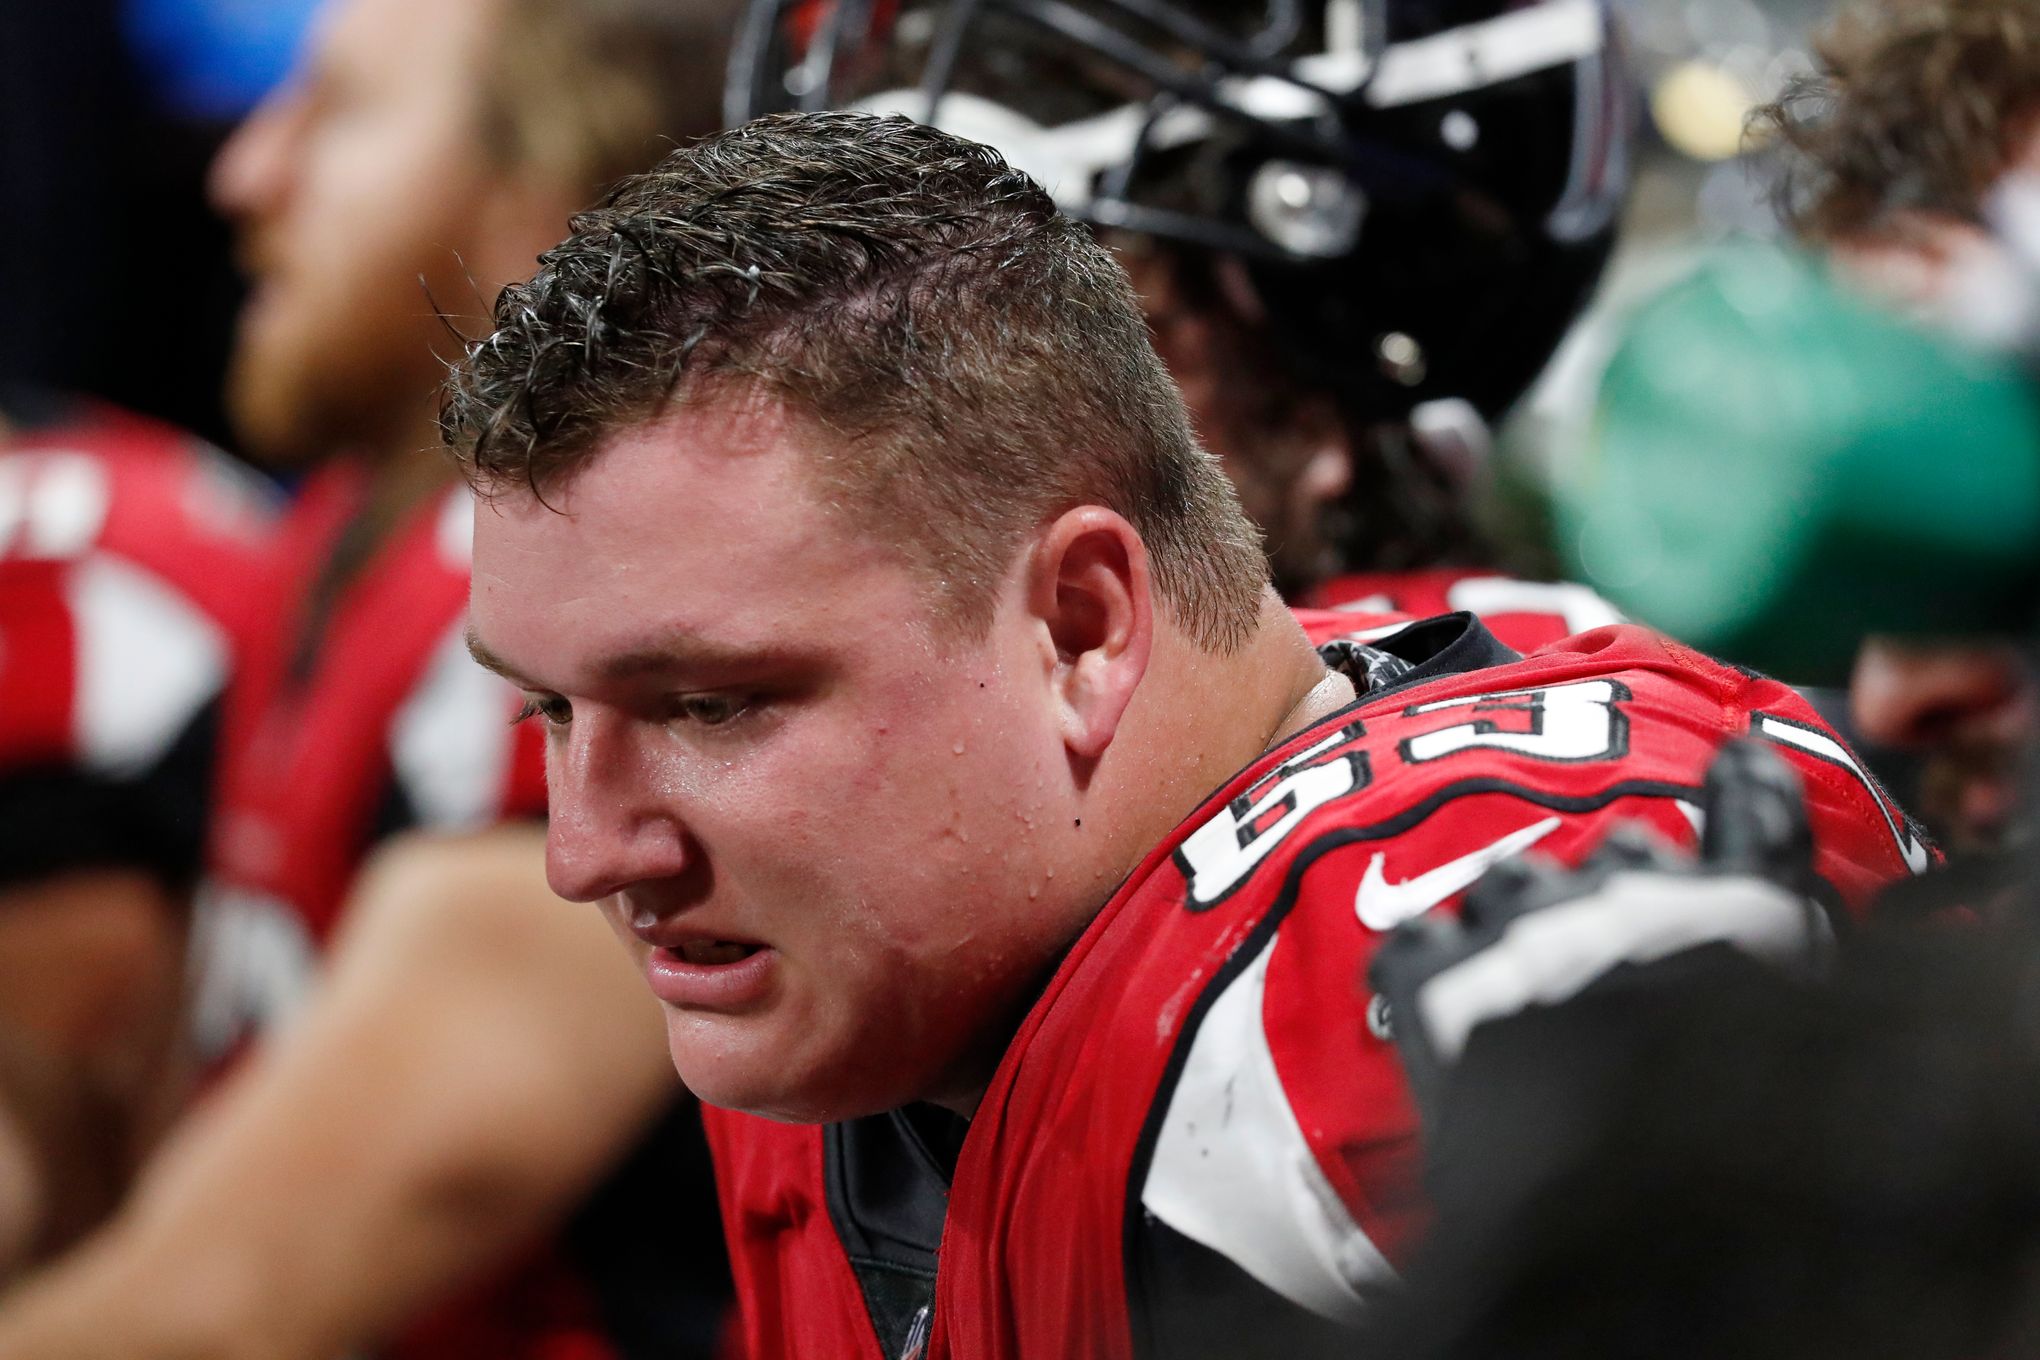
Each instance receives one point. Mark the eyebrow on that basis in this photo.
(489, 661)
(675, 655)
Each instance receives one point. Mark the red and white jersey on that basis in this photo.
(1200, 1142)
(338, 733)
(127, 550)
(372, 721)
(1525, 615)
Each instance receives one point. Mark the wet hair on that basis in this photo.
(971, 362)
(1917, 106)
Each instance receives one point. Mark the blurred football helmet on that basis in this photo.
(1420, 193)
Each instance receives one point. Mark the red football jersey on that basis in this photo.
(1523, 614)
(126, 554)
(379, 723)
(1199, 1141)
(375, 723)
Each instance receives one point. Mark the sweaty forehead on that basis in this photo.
(706, 519)
(736, 441)
(735, 447)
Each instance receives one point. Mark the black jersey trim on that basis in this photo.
(1146, 1343)
(1466, 646)
(1471, 648)
(1895, 815)
(887, 1191)
(61, 817)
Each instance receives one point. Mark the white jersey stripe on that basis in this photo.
(148, 660)
(1580, 607)
(451, 742)
(1233, 1171)
(1825, 747)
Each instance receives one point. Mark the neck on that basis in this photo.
(401, 444)
(1199, 718)
(404, 465)
(1196, 720)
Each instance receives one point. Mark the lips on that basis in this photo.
(702, 974)
(696, 963)
(695, 941)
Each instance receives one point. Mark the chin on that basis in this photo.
(768, 1098)
(769, 1095)
(267, 420)
(774, 1085)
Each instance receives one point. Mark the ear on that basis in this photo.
(1088, 586)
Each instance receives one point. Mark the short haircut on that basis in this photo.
(976, 360)
(1918, 106)
(592, 90)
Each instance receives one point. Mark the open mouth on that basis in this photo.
(715, 953)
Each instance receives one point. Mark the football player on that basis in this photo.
(1916, 138)
(383, 1171)
(1002, 853)
(126, 553)
(1358, 228)
(1911, 161)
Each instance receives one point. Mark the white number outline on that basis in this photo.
(1223, 852)
(1581, 721)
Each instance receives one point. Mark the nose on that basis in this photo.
(1907, 694)
(611, 822)
(251, 174)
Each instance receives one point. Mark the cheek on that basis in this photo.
(958, 767)
(972, 836)
(894, 824)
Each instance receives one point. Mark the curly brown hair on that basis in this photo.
(1918, 107)
(975, 360)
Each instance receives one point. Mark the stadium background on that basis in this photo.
(110, 113)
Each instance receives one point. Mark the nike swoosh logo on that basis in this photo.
(1384, 905)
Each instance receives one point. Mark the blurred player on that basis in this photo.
(1924, 114)
(918, 708)
(1773, 428)
(1358, 228)
(126, 555)
(470, 1063)
(1864, 474)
